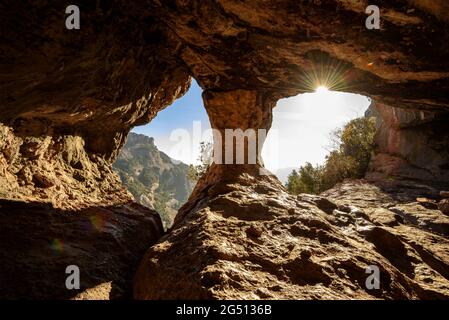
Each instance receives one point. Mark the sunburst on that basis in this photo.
(326, 72)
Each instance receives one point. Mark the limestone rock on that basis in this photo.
(68, 100)
(293, 250)
(57, 170)
(427, 203)
(406, 144)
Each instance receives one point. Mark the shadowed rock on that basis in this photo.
(38, 243)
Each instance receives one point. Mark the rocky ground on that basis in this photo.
(246, 238)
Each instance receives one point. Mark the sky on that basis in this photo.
(300, 132)
(178, 129)
(302, 126)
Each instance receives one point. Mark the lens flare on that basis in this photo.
(326, 71)
(57, 246)
(97, 222)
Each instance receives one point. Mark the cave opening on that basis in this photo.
(161, 161)
(304, 127)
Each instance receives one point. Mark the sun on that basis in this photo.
(322, 90)
(322, 96)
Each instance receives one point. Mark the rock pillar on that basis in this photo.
(241, 120)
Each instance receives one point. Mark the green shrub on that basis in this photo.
(205, 159)
(307, 180)
(354, 145)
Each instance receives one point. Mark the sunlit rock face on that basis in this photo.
(242, 120)
(55, 169)
(68, 99)
(246, 238)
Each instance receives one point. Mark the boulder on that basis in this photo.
(444, 194)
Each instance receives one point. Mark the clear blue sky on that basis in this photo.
(183, 115)
(180, 114)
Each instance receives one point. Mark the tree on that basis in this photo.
(358, 142)
(205, 160)
(307, 180)
(310, 178)
(292, 184)
(352, 148)
(338, 167)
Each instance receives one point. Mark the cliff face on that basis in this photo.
(69, 97)
(411, 144)
(153, 178)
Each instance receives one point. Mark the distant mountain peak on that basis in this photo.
(152, 177)
(140, 138)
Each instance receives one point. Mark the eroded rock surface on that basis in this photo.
(69, 98)
(55, 170)
(410, 144)
(67, 102)
(282, 46)
(246, 238)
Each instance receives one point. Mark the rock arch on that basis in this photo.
(68, 99)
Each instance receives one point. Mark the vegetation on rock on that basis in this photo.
(205, 160)
(152, 177)
(352, 148)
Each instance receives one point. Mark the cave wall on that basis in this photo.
(410, 144)
(130, 60)
(281, 46)
(68, 99)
